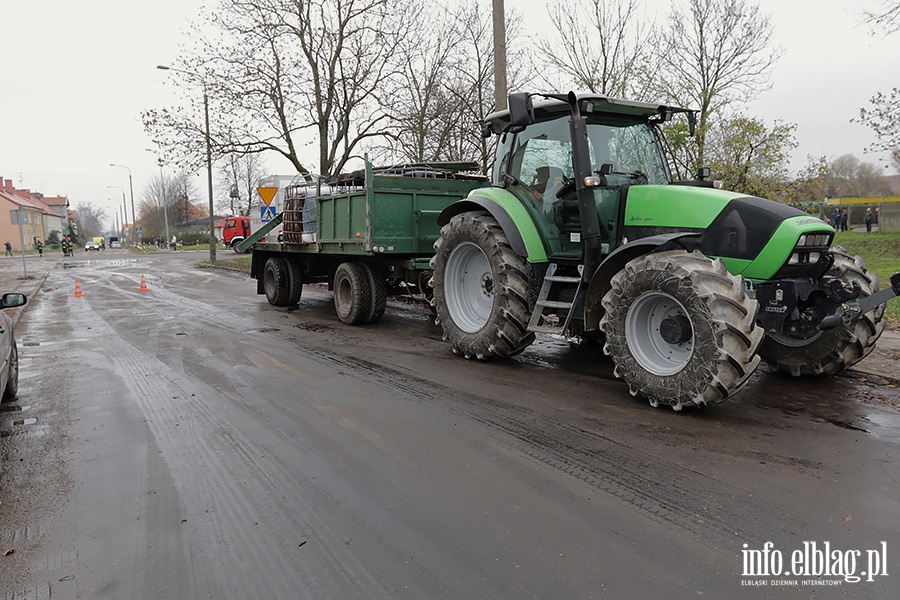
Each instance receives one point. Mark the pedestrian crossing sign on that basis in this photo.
(266, 213)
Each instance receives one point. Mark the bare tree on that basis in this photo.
(423, 112)
(161, 199)
(90, 220)
(716, 52)
(848, 176)
(242, 173)
(282, 74)
(882, 117)
(600, 46)
(445, 87)
(885, 19)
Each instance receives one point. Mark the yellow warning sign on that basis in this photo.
(267, 194)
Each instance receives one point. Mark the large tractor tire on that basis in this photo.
(832, 350)
(480, 289)
(680, 329)
(276, 281)
(352, 293)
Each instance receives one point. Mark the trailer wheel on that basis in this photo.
(276, 282)
(830, 351)
(378, 289)
(352, 293)
(680, 329)
(480, 289)
(295, 281)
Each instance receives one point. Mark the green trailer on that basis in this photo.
(367, 234)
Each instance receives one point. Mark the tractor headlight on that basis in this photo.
(818, 240)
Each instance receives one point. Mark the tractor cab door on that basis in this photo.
(541, 164)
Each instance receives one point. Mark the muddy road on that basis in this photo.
(192, 441)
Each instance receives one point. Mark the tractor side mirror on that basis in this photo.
(605, 169)
(521, 110)
(703, 173)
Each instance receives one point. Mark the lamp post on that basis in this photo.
(130, 191)
(212, 213)
(125, 206)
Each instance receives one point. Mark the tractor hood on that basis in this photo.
(756, 237)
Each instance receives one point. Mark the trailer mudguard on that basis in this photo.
(512, 217)
(617, 260)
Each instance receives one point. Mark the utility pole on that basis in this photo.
(499, 55)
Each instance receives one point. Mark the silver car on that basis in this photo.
(9, 370)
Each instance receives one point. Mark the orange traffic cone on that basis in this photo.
(77, 289)
(144, 287)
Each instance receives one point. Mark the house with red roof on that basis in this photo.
(37, 218)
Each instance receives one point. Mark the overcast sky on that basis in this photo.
(76, 76)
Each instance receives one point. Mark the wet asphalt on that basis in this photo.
(192, 441)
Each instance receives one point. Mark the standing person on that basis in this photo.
(845, 217)
(876, 216)
(39, 246)
(174, 242)
(869, 217)
(836, 217)
(8, 249)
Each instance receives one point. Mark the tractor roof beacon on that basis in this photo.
(585, 233)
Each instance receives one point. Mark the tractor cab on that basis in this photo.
(535, 160)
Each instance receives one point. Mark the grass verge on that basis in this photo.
(881, 252)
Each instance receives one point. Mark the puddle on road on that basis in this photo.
(886, 425)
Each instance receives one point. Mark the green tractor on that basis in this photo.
(585, 234)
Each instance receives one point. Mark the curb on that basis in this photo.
(29, 287)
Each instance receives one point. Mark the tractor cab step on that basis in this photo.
(554, 322)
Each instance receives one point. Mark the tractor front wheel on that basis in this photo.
(480, 289)
(680, 329)
(831, 350)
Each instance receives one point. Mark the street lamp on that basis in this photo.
(131, 191)
(212, 214)
(124, 206)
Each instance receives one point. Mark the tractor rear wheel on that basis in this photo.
(680, 329)
(480, 289)
(831, 350)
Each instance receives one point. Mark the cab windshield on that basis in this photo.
(542, 157)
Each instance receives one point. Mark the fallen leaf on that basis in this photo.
(848, 518)
(10, 551)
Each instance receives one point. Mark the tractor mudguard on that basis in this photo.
(512, 217)
(621, 256)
